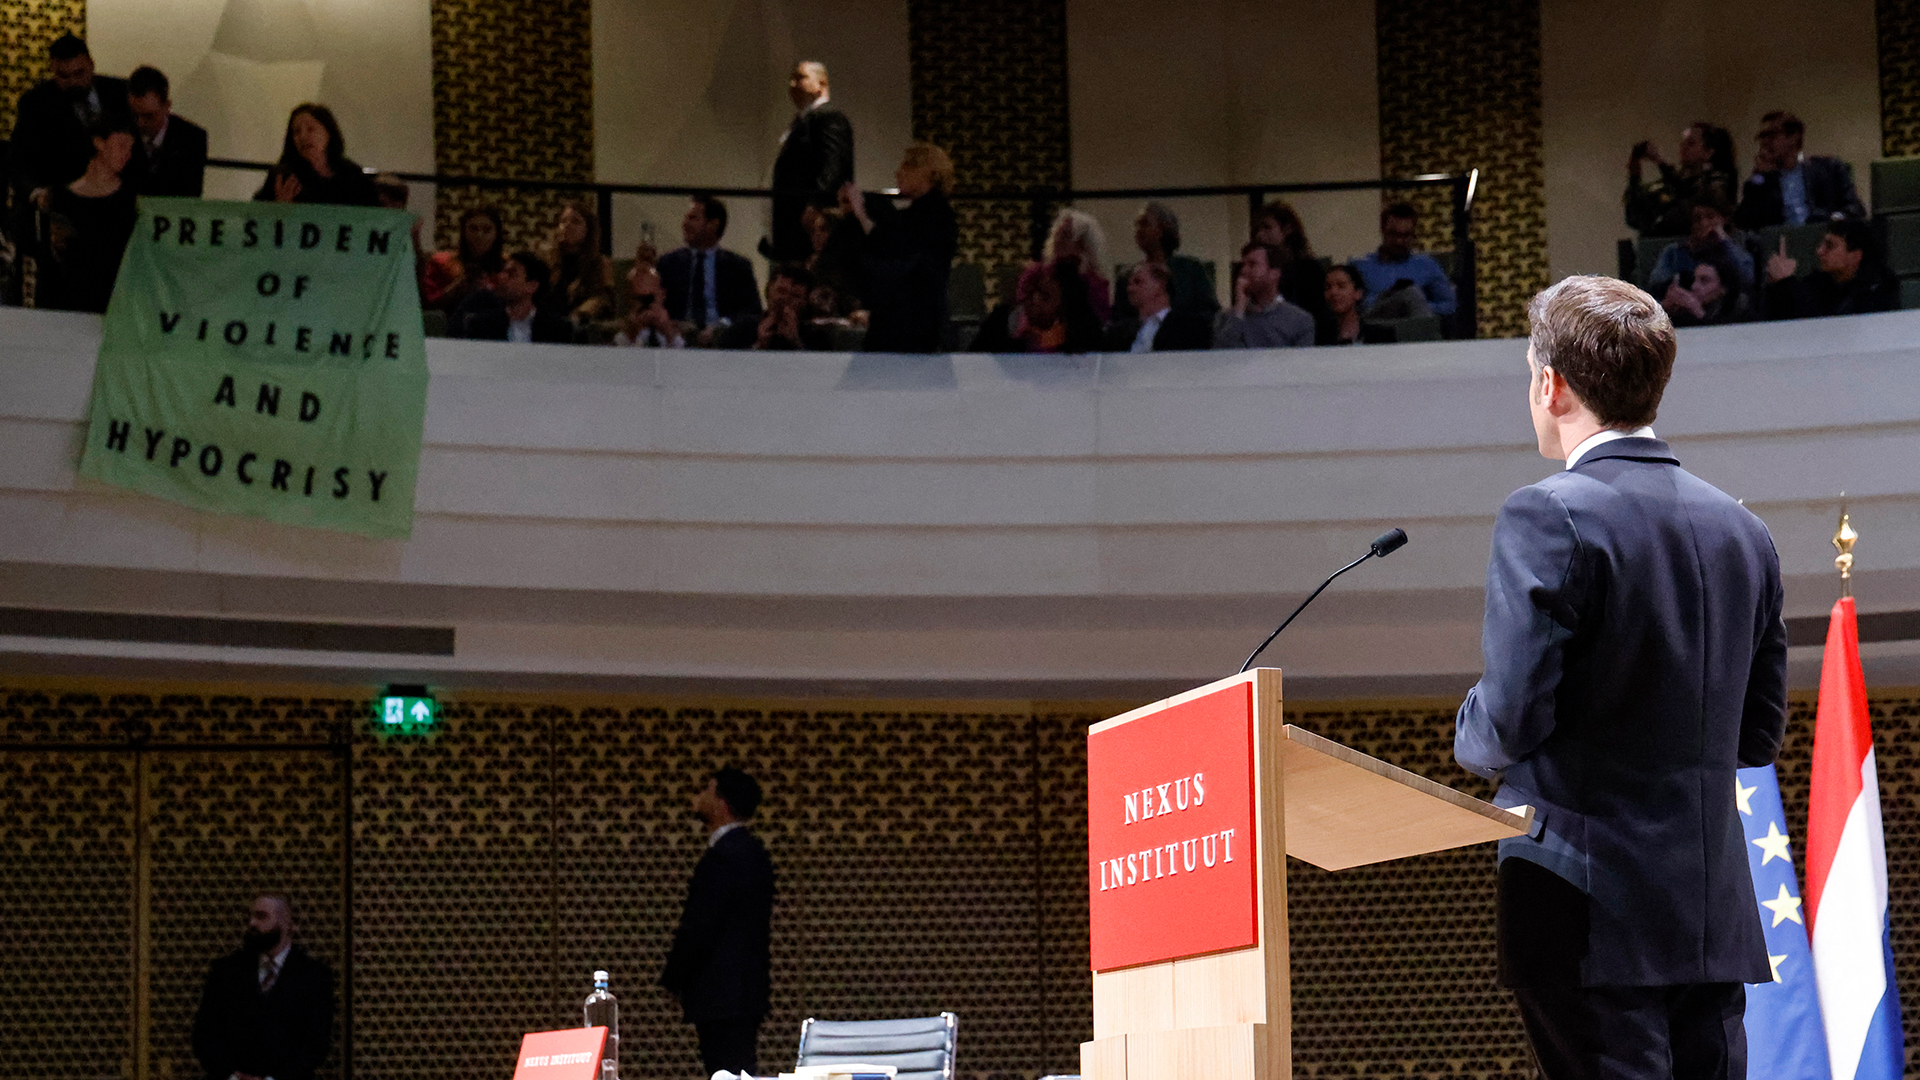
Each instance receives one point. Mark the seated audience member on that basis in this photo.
(788, 323)
(1706, 239)
(1157, 234)
(1345, 295)
(708, 286)
(1788, 187)
(92, 221)
(519, 286)
(1706, 173)
(647, 324)
(52, 140)
(1159, 327)
(1077, 237)
(314, 166)
(451, 276)
(906, 253)
(1050, 313)
(835, 263)
(582, 285)
(1260, 317)
(1397, 266)
(1710, 295)
(170, 156)
(1853, 277)
(1302, 279)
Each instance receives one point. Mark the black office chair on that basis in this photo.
(921, 1048)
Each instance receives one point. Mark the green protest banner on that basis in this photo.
(265, 359)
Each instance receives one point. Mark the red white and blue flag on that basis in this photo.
(1846, 899)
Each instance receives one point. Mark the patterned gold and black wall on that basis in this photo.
(930, 857)
(1897, 24)
(989, 86)
(1460, 89)
(27, 27)
(512, 97)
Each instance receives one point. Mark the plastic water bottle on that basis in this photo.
(603, 1010)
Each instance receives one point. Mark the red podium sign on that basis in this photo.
(1170, 833)
(567, 1054)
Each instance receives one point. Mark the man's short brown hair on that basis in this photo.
(1610, 341)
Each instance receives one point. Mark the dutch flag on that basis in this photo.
(1847, 872)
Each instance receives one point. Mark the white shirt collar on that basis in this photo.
(1601, 438)
(714, 837)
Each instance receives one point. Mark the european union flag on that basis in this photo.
(1785, 1037)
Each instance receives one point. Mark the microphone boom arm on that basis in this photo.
(1303, 606)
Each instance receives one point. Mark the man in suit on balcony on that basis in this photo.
(1635, 659)
(816, 158)
(720, 966)
(170, 156)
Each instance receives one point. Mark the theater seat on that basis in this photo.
(1390, 331)
(921, 1049)
(1896, 185)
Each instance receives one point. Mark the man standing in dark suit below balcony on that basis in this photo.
(267, 1010)
(170, 157)
(1788, 187)
(720, 966)
(707, 286)
(816, 158)
(1635, 658)
(52, 138)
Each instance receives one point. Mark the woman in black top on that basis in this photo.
(908, 253)
(1303, 280)
(314, 166)
(92, 222)
(1341, 298)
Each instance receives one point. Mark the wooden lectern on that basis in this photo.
(1193, 805)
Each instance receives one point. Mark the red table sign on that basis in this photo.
(1170, 833)
(568, 1054)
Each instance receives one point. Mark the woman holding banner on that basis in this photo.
(314, 166)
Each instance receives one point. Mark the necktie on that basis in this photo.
(697, 292)
(269, 971)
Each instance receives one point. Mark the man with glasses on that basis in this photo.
(1788, 187)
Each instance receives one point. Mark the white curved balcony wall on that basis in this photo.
(967, 525)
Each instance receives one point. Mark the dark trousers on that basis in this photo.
(1692, 1032)
(731, 1044)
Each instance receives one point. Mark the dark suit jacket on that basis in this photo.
(285, 1033)
(720, 966)
(180, 168)
(905, 264)
(491, 324)
(1179, 331)
(1192, 290)
(739, 291)
(50, 146)
(815, 159)
(1635, 658)
(1818, 295)
(1830, 194)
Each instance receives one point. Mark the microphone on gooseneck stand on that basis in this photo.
(1383, 545)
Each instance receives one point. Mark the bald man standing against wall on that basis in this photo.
(816, 157)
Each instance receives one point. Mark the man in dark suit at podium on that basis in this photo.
(1635, 658)
(267, 1010)
(720, 966)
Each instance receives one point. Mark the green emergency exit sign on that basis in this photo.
(407, 712)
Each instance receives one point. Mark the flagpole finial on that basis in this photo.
(1843, 540)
